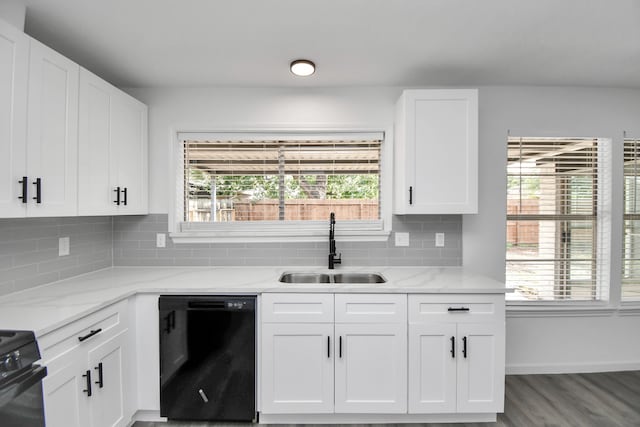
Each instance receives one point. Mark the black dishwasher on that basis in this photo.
(207, 357)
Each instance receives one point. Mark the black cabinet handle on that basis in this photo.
(464, 347)
(328, 346)
(117, 200)
(25, 188)
(458, 309)
(90, 334)
(99, 369)
(87, 375)
(124, 193)
(410, 195)
(453, 347)
(340, 346)
(38, 185)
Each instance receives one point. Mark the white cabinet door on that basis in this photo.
(95, 195)
(436, 161)
(432, 368)
(108, 373)
(52, 135)
(14, 66)
(480, 368)
(113, 177)
(297, 368)
(65, 396)
(129, 151)
(371, 368)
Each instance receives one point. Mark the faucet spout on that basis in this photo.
(333, 259)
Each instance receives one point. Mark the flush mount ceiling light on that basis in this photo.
(302, 67)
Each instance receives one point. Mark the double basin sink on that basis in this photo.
(347, 278)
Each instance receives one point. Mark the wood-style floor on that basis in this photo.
(609, 399)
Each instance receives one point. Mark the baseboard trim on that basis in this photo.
(375, 418)
(572, 368)
(148, 416)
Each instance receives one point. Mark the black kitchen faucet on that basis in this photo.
(332, 243)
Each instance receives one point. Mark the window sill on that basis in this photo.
(577, 309)
(360, 231)
(630, 308)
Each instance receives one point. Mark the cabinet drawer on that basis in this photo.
(371, 308)
(308, 308)
(108, 321)
(456, 308)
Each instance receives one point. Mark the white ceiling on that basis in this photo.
(154, 43)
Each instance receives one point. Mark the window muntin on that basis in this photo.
(281, 179)
(555, 245)
(631, 238)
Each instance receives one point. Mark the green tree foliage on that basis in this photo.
(258, 187)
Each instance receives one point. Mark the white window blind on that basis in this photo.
(293, 178)
(631, 239)
(554, 231)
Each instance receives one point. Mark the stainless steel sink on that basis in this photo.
(305, 278)
(311, 277)
(358, 278)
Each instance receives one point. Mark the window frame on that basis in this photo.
(280, 231)
(600, 305)
(627, 216)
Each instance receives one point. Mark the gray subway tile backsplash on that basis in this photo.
(29, 248)
(135, 244)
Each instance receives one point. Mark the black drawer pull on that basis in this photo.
(340, 346)
(90, 334)
(117, 200)
(124, 199)
(25, 184)
(458, 309)
(100, 381)
(453, 347)
(328, 347)
(410, 195)
(464, 347)
(88, 389)
(38, 185)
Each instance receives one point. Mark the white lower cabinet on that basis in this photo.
(87, 363)
(313, 366)
(107, 405)
(65, 402)
(456, 354)
(371, 368)
(88, 390)
(297, 368)
(382, 357)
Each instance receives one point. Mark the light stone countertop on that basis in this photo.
(48, 307)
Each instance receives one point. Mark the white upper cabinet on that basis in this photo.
(52, 133)
(436, 152)
(112, 150)
(46, 110)
(14, 66)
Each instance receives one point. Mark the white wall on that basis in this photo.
(14, 13)
(534, 343)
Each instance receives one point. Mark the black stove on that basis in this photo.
(21, 403)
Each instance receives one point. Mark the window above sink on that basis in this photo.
(278, 186)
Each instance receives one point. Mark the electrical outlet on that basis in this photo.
(63, 246)
(402, 239)
(439, 240)
(161, 240)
